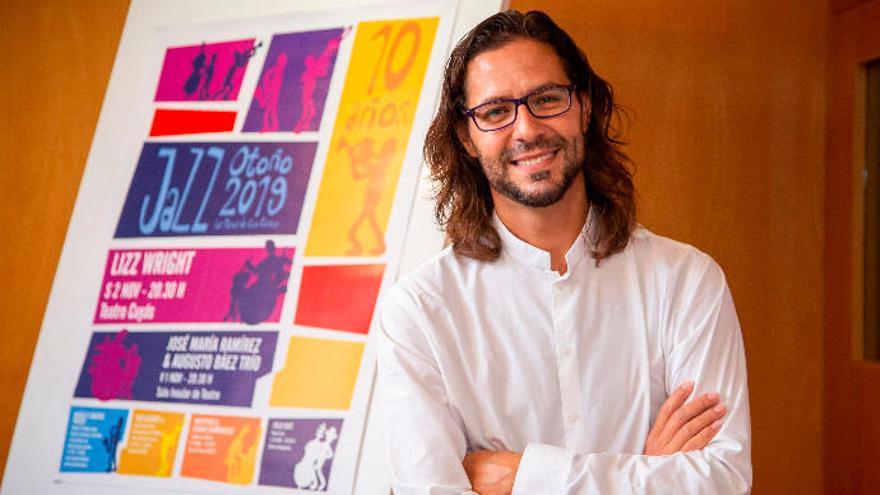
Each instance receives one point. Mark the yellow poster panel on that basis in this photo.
(370, 134)
(318, 374)
(152, 443)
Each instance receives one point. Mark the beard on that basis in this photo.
(546, 191)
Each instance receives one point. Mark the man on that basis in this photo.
(551, 348)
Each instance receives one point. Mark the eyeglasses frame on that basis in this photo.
(523, 100)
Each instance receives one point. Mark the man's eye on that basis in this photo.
(493, 113)
(547, 99)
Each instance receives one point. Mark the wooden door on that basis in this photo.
(852, 374)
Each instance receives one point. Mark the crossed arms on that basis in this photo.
(680, 426)
(687, 449)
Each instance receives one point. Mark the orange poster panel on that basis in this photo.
(222, 448)
(370, 135)
(339, 297)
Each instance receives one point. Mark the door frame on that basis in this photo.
(852, 385)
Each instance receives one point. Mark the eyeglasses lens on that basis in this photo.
(549, 102)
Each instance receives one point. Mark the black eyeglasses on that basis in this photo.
(543, 103)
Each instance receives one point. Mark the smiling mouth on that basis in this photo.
(535, 160)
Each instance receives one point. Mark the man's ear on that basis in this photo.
(586, 108)
(461, 130)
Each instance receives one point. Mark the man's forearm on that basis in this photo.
(679, 426)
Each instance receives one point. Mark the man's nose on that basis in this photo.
(526, 127)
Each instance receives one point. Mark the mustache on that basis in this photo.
(541, 142)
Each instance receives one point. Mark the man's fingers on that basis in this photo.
(681, 425)
(685, 413)
(695, 427)
(672, 404)
(701, 439)
(690, 410)
(696, 407)
(472, 459)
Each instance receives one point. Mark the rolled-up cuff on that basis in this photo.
(543, 470)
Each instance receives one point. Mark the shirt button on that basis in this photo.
(573, 417)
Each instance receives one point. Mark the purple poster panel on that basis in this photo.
(184, 189)
(218, 368)
(298, 453)
(194, 285)
(292, 89)
(209, 71)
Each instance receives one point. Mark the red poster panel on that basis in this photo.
(339, 297)
(177, 122)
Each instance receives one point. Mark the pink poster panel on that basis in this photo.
(194, 285)
(205, 72)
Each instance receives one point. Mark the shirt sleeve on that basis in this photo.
(703, 343)
(424, 435)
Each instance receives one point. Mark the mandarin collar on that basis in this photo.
(538, 259)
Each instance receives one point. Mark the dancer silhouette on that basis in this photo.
(240, 59)
(111, 442)
(315, 68)
(269, 90)
(309, 471)
(370, 166)
(240, 458)
(254, 303)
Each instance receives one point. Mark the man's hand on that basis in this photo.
(490, 472)
(681, 427)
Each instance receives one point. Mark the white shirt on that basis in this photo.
(568, 369)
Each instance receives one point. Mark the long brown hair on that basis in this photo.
(464, 203)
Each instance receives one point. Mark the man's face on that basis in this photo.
(533, 161)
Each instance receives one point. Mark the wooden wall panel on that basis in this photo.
(56, 63)
(728, 101)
